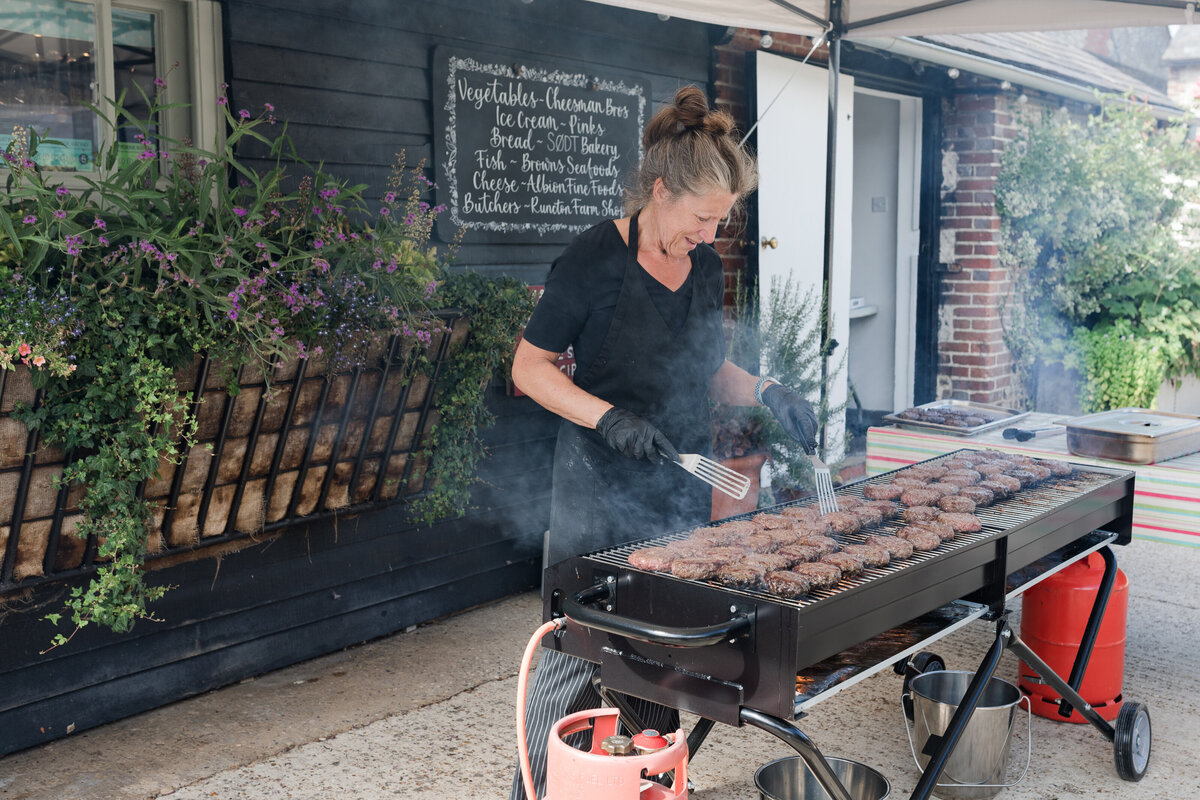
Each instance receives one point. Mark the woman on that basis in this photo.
(640, 300)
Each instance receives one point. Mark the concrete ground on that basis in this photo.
(429, 713)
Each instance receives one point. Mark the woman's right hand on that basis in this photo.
(634, 437)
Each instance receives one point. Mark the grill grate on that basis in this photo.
(1022, 508)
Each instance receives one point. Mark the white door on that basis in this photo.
(886, 223)
(793, 107)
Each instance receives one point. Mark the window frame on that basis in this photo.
(185, 31)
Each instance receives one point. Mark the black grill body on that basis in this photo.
(630, 612)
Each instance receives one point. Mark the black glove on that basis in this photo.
(634, 437)
(794, 413)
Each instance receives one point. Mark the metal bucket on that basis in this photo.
(791, 779)
(977, 767)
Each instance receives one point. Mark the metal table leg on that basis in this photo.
(944, 745)
(808, 751)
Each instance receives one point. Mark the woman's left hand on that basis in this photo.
(794, 413)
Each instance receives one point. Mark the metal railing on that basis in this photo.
(313, 446)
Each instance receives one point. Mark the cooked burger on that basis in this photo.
(919, 538)
(655, 559)
(848, 564)
(820, 575)
(921, 497)
(842, 521)
(961, 523)
(919, 513)
(787, 584)
(896, 547)
(882, 491)
(980, 495)
(872, 555)
(696, 568)
(957, 503)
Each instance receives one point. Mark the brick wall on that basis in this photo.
(974, 363)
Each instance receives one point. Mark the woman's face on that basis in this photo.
(686, 220)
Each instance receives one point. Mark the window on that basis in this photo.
(59, 56)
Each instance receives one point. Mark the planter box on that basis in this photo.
(312, 445)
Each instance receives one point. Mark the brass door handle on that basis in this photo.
(771, 243)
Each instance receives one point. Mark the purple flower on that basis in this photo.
(318, 244)
(99, 223)
(385, 211)
(221, 101)
(30, 220)
(60, 214)
(241, 212)
(159, 82)
(233, 314)
(145, 155)
(62, 191)
(270, 108)
(102, 240)
(243, 114)
(389, 198)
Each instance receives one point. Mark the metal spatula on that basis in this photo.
(719, 476)
(826, 498)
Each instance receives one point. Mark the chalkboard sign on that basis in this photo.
(529, 152)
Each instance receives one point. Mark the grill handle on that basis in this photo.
(577, 610)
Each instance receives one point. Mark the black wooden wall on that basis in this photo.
(353, 80)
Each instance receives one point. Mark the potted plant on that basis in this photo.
(782, 340)
(170, 253)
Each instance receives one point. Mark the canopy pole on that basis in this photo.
(834, 39)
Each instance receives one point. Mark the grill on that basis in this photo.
(714, 650)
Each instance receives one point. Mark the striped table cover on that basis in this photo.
(1166, 506)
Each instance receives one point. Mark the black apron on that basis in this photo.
(601, 498)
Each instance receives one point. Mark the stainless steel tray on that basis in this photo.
(1134, 435)
(998, 417)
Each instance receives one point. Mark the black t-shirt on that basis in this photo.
(585, 283)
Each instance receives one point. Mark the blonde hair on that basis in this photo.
(694, 150)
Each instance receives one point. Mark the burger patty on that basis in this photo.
(919, 513)
(820, 574)
(910, 482)
(961, 523)
(958, 480)
(771, 521)
(1060, 469)
(927, 471)
(687, 547)
(981, 495)
(799, 513)
(970, 474)
(741, 576)
(1026, 477)
(919, 538)
(871, 555)
(957, 503)
(842, 521)
(798, 553)
(823, 543)
(989, 469)
(696, 568)
(943, 530)
(1009, 482)
(998, 489)
(896, 547)
(882, 491)
(769, 562)
(787, 584)
(848, 564)
(818, 527)
(885, 507)
(946, 487)
(654, 559)
(867, 515)
(759, 543)
(921, 497)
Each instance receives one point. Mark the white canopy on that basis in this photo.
(862, 18)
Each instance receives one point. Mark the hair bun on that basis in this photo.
(688, 112)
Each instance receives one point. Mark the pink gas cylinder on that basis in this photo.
(1053, 618)
(596, 775)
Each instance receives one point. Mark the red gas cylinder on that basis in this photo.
(1053, 618)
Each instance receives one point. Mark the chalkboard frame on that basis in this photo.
(448, 60)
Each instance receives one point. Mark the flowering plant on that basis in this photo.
(173, 251)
